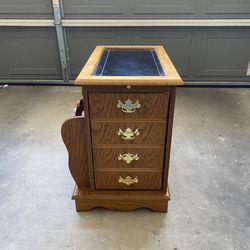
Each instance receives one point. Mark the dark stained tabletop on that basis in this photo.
(129, 62)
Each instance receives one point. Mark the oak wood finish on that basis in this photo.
(89, 142)
(153, 106)
(122, 200)
(126, 89)
(152, 133)
(148, 158)
(79, 108)
(74, 137)
(171, 75)
(114, 183)
(147, 179)
(169, 138)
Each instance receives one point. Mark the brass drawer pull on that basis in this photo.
(128, 134)
(128, 106)
(128, 158)
(128, 180)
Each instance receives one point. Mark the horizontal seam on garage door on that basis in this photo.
(128, 23)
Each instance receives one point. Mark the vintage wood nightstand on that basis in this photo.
(119, 150)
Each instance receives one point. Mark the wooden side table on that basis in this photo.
(119, 151)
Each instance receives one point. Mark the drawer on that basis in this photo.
(128, 105)
(128, 158)
(106, 179)
(128, 132)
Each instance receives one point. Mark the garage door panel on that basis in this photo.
(25, 8)
(163, 7)
(95, 8)
(223, 53)
(146, 9)
(82, 41)
(227, 7)
(198, 53)
(177, 42)
(29, 53)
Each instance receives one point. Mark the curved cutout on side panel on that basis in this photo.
(73, 135)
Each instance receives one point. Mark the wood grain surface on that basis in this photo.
(147, 179)
(106, 132)
(123, 200)
(79, 111)
(74, 136)
(171, 76)
(169, 138)
(108, 158)
(88, 141)
(104, 105)
(94, 145)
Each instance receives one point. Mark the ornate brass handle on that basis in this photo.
(128, 134)
(128, 180)
(128, 106)
(128, 158)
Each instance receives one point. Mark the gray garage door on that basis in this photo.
(44, 41)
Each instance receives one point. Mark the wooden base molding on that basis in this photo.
(85, 200)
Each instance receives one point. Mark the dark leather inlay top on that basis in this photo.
(129, 62)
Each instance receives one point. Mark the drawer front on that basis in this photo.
(128, 158)
(128, 133)
(128, 180)
(121, 105)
